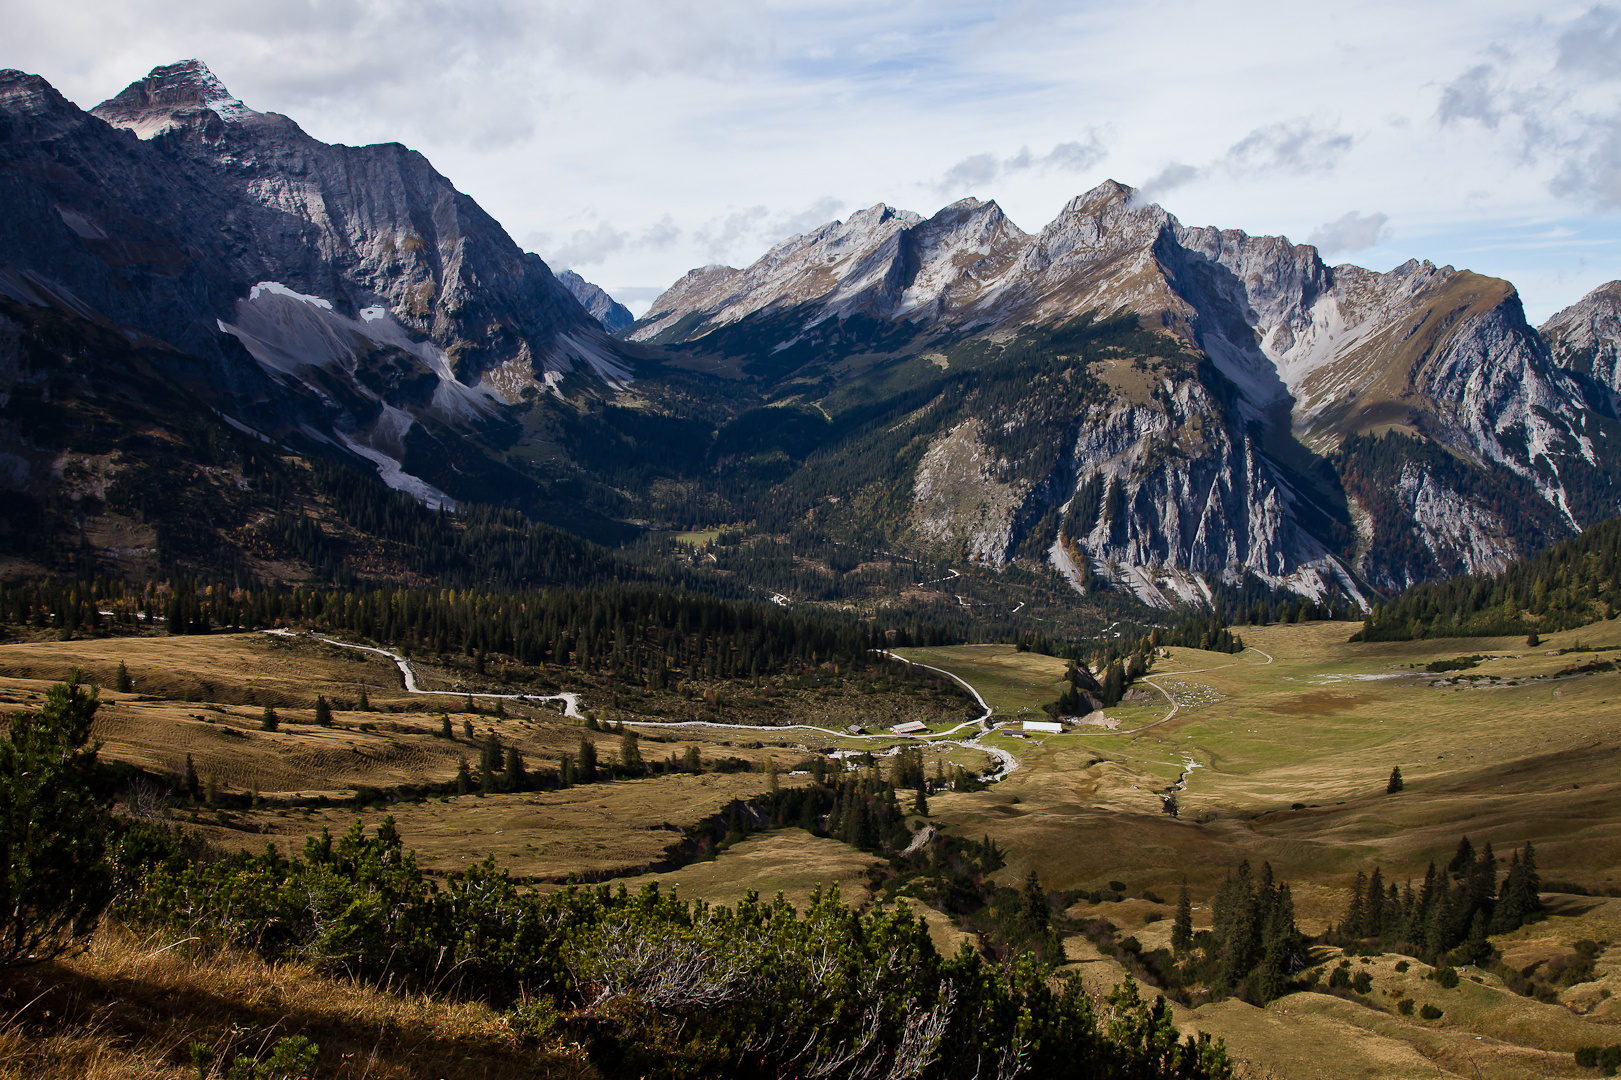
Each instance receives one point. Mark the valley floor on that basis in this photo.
(1282, 753)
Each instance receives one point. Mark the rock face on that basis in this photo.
(1586, 337)
(372, 293)
(1249, 470)
(613, 315)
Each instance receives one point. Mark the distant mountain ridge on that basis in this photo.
(613, 315)
(1310, 362)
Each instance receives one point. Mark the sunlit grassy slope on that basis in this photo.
(1520, 752)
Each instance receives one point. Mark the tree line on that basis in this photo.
(1450, 913)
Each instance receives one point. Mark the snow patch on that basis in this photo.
(276, 288)
(395, 476)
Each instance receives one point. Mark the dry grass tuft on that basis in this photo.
(132, 1008)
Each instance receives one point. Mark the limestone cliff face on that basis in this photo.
(1179, 496)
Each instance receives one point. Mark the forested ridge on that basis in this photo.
(1570, 584)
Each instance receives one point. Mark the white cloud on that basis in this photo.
(641, 138)
(1352, 232)
(978, 171)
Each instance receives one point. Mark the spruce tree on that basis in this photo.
(464, 778)
(364, 704)
(565, 771)
(1395, 783)
(588, 761)
(517, 777)
(323, 711)
(268, 720)
(445, 731)
(920, 804)
(192, 784)
(122, 682)
(1034, 914)
(630, 753)
(490, 760)
(1182, 928)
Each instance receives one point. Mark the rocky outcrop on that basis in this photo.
(1586, 337)
(613, 315)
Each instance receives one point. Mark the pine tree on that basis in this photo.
(1356, 912)
(191, 782)
(588, 761)
(489, 763)
(1463, 860)
(1475, 948)
(122, 682)
(565, 771)
(445, 731)
(920, 804)
(364, 704)
(1373, 906)
(464, 778)
(1034, 915)
(1182, 928)
(630, 752)
(268, 720)
(517, 777)
(323, 711)
(695, 760)
(1395, 783)
(467, 730)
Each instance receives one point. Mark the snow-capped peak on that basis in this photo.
(151, 106)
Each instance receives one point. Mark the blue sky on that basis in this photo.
(635, 139)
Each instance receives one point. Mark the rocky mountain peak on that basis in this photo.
(1586, 337)
(169, 95)
(22, 94)
(613, 315)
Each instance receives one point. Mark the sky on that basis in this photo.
(633, 140)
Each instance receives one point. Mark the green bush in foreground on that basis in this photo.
(661, 987)
(55, 828)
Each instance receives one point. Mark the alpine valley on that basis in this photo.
(935, 651)
(1116, 403)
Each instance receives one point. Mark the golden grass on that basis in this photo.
(130, 1009)
(787, 861)
(1013, 683)
(1506, 764)
(592, 830)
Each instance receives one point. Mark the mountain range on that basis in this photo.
(1321, 428)
(1118, 401)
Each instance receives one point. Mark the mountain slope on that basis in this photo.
(1234, 463)
(343, 299)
